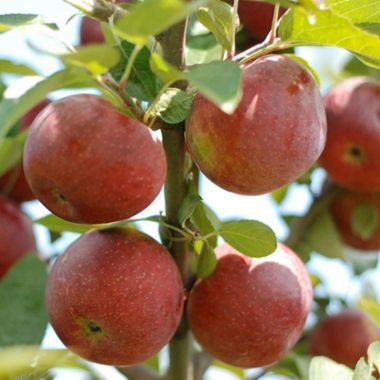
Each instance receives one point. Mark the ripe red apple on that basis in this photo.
(351, 156)
(257, 17)
(16, 234)
(90, 31)
(250, 311)
(276, 133)
(88, 163)
(342, 208)
(115, 296)
(13, 183)
(344, 337)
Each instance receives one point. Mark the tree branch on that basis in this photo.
(201, 362)
(139, 372)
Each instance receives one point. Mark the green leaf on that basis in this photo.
(355, 67)
(217, 17)
(164, 70)
(322, 368)
(219, 81)
(18, 360)
(327, 27)
(153, 363)
(56, 224)
(11, 149)
(205, 220)
(374, 354)
(188, 205)
(152, 17)
(279, 195)
(364, 220)
(363, 371)
(322, 237)
(207, 262)
(96, 58)
(174, 105)
(371, 307)
(250, 237)
(23, 317)
(11, 21)
(12, 109)
(307, 66)
(7, 66)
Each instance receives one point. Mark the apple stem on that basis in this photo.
(273, 31)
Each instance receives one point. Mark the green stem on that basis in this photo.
(135, 52)
(173, 42)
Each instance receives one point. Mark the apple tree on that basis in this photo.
(166, 93)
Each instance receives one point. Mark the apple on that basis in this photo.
(115, 296)
(90, 31)
(342, 208)
(257, 17)
(16, 234)
(13, 183)
(251, 311)
(343, 337)
(351, 154)
(88, 163)
(276, 133)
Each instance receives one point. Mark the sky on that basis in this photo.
(15, 45)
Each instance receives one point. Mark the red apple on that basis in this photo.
(351, 156)
(115, 297)
(88, 163)
(90, 31)
(344, 337)
(251, 311)
(275, 135)
(257, 17)
(16, 234)
(13, 183)
(342, 208)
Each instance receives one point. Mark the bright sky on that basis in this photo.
(14, 46)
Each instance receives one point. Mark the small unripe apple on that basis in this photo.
(251, 311)
(88, 163)
(351, 156)
(16, 234)
(115, 296)
(257, 17)
(13, 183)
(342, 208)
(276, 133)
(343, 337)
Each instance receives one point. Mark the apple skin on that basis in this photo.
(276, 133)
(13, 183)
(115, 297)
(341, 209)
(88, 163)
(351, 154)
(343, 337)
(251, 311)
(90, 30)
(16, 234)
(257, 17)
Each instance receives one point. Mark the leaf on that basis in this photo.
(17, 360)
(11, 21)
(152, 17)
(11, 149)
(217, 17)
(355, 67)
(322, 368)
(188, 205)
(219, 81)
(7, 66)
(371, 307)
(56, 224)
(327, 27)
(374, 354)
(153, 363)
(307, 66)
(322, 237)
(250, 237)
(164, 70)
(96, 58)
(207, 262)
(23, 317)
(142, 83)
(364, 220)
(279, 195)
(362, 371)
(174, 105)
(205, 220)
(12, 108)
